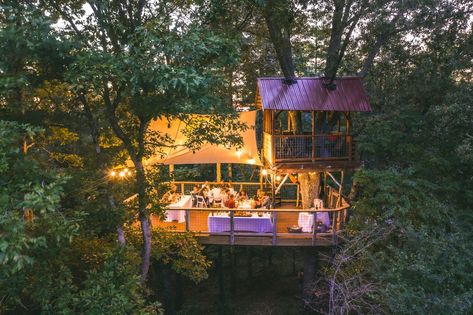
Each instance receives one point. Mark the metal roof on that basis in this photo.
(311, 94)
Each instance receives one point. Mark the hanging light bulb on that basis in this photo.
(113, 173)
(278, 178)
(264, 172)
(121, 174)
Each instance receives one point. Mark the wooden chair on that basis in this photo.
(200, 202)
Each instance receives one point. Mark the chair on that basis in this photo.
(200, 202)
(318, 203)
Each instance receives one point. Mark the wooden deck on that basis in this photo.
(285, 215)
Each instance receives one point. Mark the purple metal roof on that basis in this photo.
(310, 94)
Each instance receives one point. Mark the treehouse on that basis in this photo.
(307, 124)
(306, 128)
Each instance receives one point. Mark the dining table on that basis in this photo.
(219, 223)
(306, 220)
(176, 210)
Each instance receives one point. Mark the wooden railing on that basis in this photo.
(198, 221)
(308, 147)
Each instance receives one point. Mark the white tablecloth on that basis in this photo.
(306, 220)
(179, 215)
(221, 223)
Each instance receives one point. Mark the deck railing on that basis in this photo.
(264, 227)
(309, 148)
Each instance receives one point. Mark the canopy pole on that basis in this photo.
(171, 169)
(219, 172)
(230, 172)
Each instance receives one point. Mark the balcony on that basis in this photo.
(321, 149)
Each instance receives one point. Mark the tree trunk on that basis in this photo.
(310, 186)
(144, 219)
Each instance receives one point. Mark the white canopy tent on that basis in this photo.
(208, 153)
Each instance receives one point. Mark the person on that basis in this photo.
(204, 192)
(242, 196)
(265, 200)
(206, 185)
(226, 195)
(230, 203)
(171, 195)
(194, 194)
(261, 200)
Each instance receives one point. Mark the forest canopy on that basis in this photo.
(80, 82)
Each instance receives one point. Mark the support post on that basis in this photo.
(171, 169)
(314, 227)
(313, 138)
(275, 231)
(230, 172)
(187, 220)
(219, 172)
(232, 228)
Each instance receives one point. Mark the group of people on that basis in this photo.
(224, 195)
(221, 195)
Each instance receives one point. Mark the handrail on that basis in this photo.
(263, 209)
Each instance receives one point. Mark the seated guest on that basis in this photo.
(262, 201)
(171, 195)
(265, 201)
(242, 196)
(230, 203)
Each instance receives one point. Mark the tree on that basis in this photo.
(139, 68)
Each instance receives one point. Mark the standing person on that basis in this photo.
(194, 194)
(204, 192)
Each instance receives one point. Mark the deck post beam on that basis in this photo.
(275, 230)
(187, 221)
(219, 172)
(314, 227)
(232, 228)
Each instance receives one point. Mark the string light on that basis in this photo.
(251, 161)
(121, 174)
(278, 178)
(113, 173)
(264, 172)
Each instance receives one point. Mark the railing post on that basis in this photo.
(182, 189)
(187, 220)
(334, 227)
(314, 157)
(275, 231)
(314, 227)
(350, 153)
(232, 228)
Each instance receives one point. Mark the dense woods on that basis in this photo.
(80, 82)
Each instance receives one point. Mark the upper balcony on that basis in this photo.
(295, 152)
(306, 126)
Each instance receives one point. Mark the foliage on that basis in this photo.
(180, 251)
